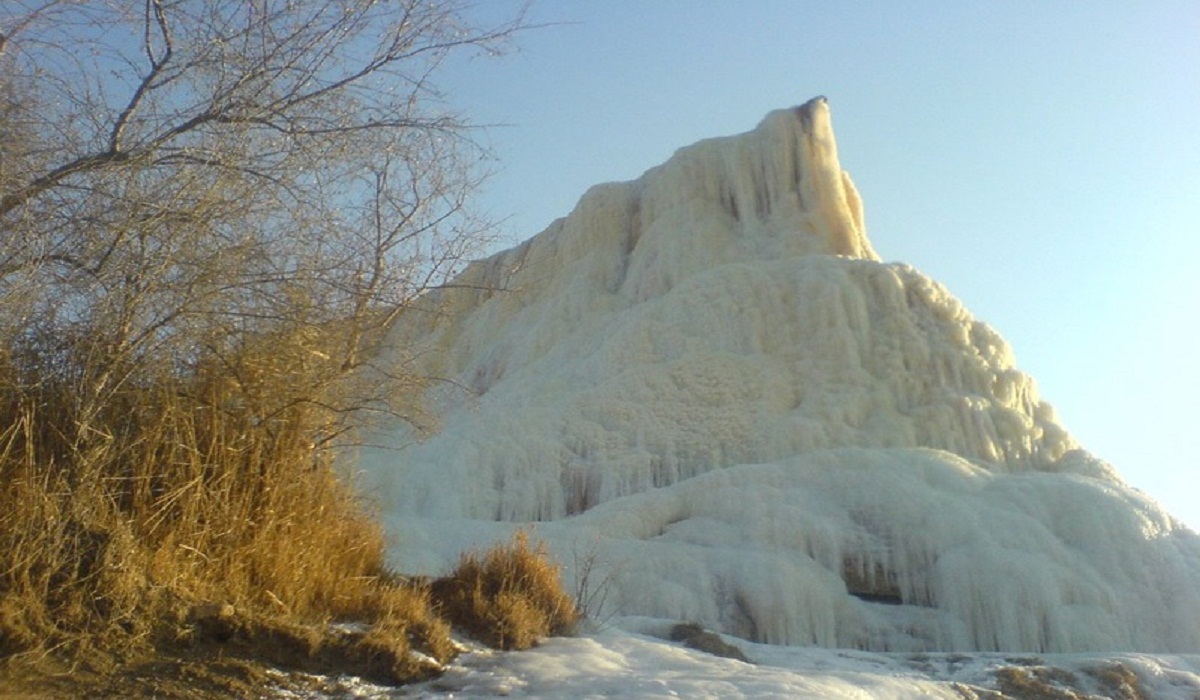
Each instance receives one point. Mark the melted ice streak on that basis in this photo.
(706, 378)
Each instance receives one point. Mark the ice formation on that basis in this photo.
(707, 381)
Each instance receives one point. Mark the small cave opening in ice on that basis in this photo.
(871, 582)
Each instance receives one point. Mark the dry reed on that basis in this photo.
(182, 513)
(508, 596)
(174, 495)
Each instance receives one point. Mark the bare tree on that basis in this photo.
(233, 183)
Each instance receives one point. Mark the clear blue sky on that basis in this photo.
(1040, 159)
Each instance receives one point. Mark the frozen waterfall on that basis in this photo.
(706, 379)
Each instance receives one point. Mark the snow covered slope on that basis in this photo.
(614, 663)
(705, 382)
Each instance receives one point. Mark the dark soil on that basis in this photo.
(161, 677)
(228, 656)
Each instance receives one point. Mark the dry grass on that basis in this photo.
(171, 498)
(1119, 681)
(508, 597)
(696, 637)
(118, 527)
(182, 520)
(1037, 683)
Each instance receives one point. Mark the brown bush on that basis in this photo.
(507, 597)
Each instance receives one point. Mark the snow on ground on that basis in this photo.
(615, 662)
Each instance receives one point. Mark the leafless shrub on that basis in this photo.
(209, 213)
(594, 580)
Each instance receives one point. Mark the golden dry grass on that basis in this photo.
(508, 596)
(179, 499)
(175, 496)
(170, 498)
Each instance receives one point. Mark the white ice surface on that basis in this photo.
(1028, 561)
(705, 382)
(617, 663)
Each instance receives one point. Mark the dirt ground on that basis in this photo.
(257, 661)
(169, 679)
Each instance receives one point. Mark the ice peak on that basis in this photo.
(836, 199)
(775, 192)
(781, 184)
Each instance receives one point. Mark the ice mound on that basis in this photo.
(707, 375)
(938, 552)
